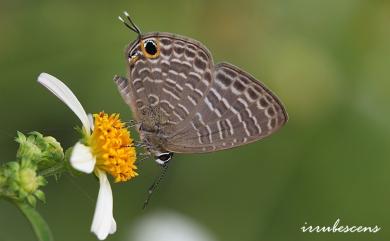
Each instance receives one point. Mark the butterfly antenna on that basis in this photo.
(155, 184)
(130, 24)
(126, 24)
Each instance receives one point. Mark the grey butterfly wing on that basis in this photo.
(237, 109)
(163, 92)
(125, 89)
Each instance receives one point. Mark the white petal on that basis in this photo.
(82, 158)
(167, 225)
(90, 118)
(113, 226)
(103, 222)
(62, 91)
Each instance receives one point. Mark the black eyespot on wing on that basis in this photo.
(151, 47)
(165, 156)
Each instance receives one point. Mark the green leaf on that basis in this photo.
(32, 200)
(39, 225)
(40, 195)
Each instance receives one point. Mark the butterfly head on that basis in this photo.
(142, 47)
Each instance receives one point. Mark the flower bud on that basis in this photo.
(28, 148)
(28, 180)
(53, 150)
(20, 181)
(44, 151)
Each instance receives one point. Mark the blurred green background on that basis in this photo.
(329, 61)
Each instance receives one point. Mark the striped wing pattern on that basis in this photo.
(168, 88)
(194, 106)
(237, 110)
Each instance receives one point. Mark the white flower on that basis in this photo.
(88, 155)
(167, 225)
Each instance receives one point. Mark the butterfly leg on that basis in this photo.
(140, 144)
(142, 156)
(131, 123)
(141, 159)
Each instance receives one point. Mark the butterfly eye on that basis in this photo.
(150, 48)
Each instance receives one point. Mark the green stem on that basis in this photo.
(39, 225)
(54, 170)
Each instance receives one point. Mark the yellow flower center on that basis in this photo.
(113, 147)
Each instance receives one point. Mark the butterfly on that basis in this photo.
(184, 103)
